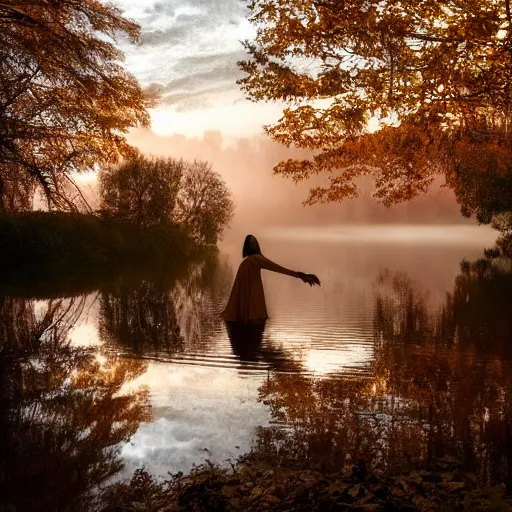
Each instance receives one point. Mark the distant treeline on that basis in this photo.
(265, 199)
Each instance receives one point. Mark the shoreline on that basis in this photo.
(259, 485)
(51, 253)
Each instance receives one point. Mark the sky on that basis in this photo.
(189, 49)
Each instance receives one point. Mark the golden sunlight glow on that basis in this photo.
(235, 119)
(101, 359)
(85, 335)
(501, 34)
(373, 124)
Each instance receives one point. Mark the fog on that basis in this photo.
(263, 199)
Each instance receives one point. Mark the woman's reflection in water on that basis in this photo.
(246, 340)
(253, 350)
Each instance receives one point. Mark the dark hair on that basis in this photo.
(251, 246)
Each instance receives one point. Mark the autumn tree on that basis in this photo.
(65, 98)
(204, 205)
(142, 189)
(435, 74)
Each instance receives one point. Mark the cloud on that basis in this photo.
(201, 97)
(220, 71)
(190, 49)
(182, 28)
(210, 60)
(158, 9)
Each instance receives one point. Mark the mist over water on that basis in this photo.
(264, 200)
(386, 234)
(204, 395)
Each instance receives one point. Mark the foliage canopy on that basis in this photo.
(151, 191)
(436, 73)
(204, 205)
(65, 98)
(141, 190)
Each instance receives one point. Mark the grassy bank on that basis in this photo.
(79, 249)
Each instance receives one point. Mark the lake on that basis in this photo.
(402, 355)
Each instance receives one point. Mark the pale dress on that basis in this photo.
(246, 303)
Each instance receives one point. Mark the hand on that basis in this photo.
(310, 279)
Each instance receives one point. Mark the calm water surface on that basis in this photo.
(402, 355)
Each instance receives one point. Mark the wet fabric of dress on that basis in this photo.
(246, 303)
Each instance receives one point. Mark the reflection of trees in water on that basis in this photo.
(458, 372)
(314, 422)
(199, 298)
(431, 393)
(183, 314)
(475, 315)
(22, 324)
(141, 317)
(167, 316)
(410, 320)
(62, 415)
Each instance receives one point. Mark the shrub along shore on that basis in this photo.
(81, 249)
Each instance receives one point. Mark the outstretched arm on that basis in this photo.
(274, 267)
(310, 279)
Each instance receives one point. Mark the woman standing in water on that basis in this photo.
(246, 303)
